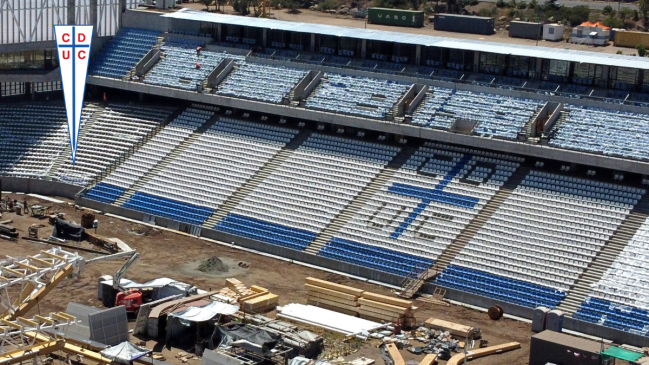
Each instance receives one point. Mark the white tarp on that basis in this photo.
(125, 352)
(327, 319)
(206, 312)
(156, 283)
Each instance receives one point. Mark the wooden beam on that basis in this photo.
(61, 317)
(44, 319)
(12, 271)
(26, 266)
(394, 354)
(28, 321)
(11, 324)
(29, 352)
(429, 359)
(74, 349)
(40, 261)
(52, 255)
(474, 354)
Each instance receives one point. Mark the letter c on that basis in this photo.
(84, 55)
(66, 35)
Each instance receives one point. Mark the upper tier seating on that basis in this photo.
(427, 203)
(178, 67)
(621, 298)
(612, 133)
(362, 96)
(218, 162)
(122, 53)
(497, 115)
(119, 128)
(261, 82)
(33, 136)
(307, 190)
(545, 233)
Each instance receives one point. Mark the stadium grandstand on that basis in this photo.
(516, 174)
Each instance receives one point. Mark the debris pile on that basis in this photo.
(437, 342)
(212, 265)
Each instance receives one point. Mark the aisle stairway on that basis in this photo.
(67, 150)
(360, 200)
(606, 256)
(260, 176)
(165, 161)
(479, 220)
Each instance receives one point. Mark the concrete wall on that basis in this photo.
(145, 20)
(147, 62)
(514, 147)
(41, 187)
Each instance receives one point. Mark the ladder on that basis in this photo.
(413, 281)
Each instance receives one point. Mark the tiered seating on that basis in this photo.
(621, 298)
(32, 138)
(118, 129)
(122, 53)
(261, 82)
(167, 208)
(497, 115)
(545, 233)
(178, 67)
(612, 133)
(297, 201)
(424, 207)
(215, 165)
(362, 96)
(427, 113)
(150, 154)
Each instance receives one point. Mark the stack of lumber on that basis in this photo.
(454, 329)
(262, 300)
(254, 299)
(332, 296)
(377, 307)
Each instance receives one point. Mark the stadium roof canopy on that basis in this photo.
(417, 39)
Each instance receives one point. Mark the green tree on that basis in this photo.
(521, 4)
(607, 10)
(641, 50)
(533, 4)
(613, 22)
(625, 13)
(643, 7)
(500, 3)
(241, 6)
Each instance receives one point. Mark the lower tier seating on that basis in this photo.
(382, 259)
(104, 193)
(167, 208)
(260, 230)
(429, 201)
(610, 314)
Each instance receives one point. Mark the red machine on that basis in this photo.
(131, 299)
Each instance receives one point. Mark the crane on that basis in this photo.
(129, 298)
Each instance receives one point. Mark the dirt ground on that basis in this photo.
(168, 254)
(318, 17)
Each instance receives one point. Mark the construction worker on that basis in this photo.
(95, 224)
(198, 51)
(198, 65)
(105, 100)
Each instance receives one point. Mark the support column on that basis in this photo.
(539, 68)
(264, 41)
(70, 12)
(93, 16)
(120, 16)
(312, 46)
(418, 55)
(30, 90)
(363, 48)
(220, 33)
(476, 62)
(605, 76)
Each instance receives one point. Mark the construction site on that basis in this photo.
(127, 292)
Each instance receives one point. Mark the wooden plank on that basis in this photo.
(259, 289)
(387, 307)
(453, 328)
(30, 352)
(26, 266)
(333, 303)
(474, 354)
(44, 319)
(380, 316)
(251, 296)
(331, 292)
(382, 312)
(316, 294)
(387, 300)
(394, 354)
(373, 319)
(42, 262)
(333, 286)
(352, 313)
(261, 302)
(428, 359)
(28, 321)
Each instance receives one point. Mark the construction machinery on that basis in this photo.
(116, 294)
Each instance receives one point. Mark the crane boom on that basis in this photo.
(122, 271)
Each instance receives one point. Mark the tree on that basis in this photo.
(533, 4)
(641, 50)
(207, 4)
(625, 13)
(613, 22)
(607, 10)
(643, 7)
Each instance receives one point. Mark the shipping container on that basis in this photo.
(560, 348)
(525, 30)
(552, 32)
(630, 39)
(464, 24)
(402, 18)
